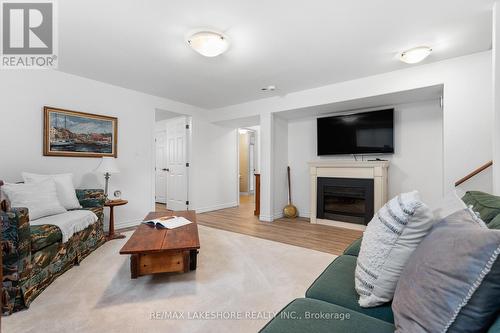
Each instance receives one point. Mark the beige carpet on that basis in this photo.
(236, 273)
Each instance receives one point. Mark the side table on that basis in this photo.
(112, 204)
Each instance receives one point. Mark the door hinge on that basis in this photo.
(187, 126)
(187, 203)
(187, 164)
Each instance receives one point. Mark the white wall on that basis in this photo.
(417, 162)
(496, 97)
(24, 93)
(256, 129)
(266, 167)
(161, 125)
(280, 164)
(214, 175)
(467, 112)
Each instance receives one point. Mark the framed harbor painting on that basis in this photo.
(78, 134)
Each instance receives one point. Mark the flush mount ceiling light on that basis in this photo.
(415, 55)
(208, 43)
(269, 88)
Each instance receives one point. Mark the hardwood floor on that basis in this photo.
(298, 232)
(161, 207)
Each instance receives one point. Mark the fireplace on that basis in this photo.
(345, 199)
(349, 189)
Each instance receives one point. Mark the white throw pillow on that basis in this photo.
(40, 198)
(388, 241)
(64, 186)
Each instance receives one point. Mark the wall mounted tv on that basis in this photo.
(359, 133)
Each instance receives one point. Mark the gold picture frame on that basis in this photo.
(78, 134)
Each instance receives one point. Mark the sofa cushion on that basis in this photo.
(40, 198)
(353, 249)
(487, 205)
(336, 285)
(43, 236)
(495, 223)
(64, 187)
(495, 328)
(454, 274)
(388, 242)
(309, 315)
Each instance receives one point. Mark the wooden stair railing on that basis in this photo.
(473, 173)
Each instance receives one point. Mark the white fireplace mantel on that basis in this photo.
(376, 170)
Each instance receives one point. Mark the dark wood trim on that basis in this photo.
(46, 132)
(256, 212)
(473, 173)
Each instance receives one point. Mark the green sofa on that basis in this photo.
(34, 256)
(331, 302)
(331, 305)
(333, 294)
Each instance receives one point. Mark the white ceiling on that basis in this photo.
(293, 44)
(426, 94)
(431, 93)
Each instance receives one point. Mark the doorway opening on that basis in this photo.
(248, 163)
(172, 141)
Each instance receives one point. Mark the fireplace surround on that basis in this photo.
(347, 193)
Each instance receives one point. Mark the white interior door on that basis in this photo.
(176, 164)
(161, 167)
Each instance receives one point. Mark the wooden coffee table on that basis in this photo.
(163, 250)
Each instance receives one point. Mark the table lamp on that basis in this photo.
(107, 167)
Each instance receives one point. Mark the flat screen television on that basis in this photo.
(359, 133)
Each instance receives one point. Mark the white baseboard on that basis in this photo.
(215, 207)
(127, 224)
(306, 215)
(266, 218)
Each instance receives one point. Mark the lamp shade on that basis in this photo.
(108, 165)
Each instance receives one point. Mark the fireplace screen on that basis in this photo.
(345, 199)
